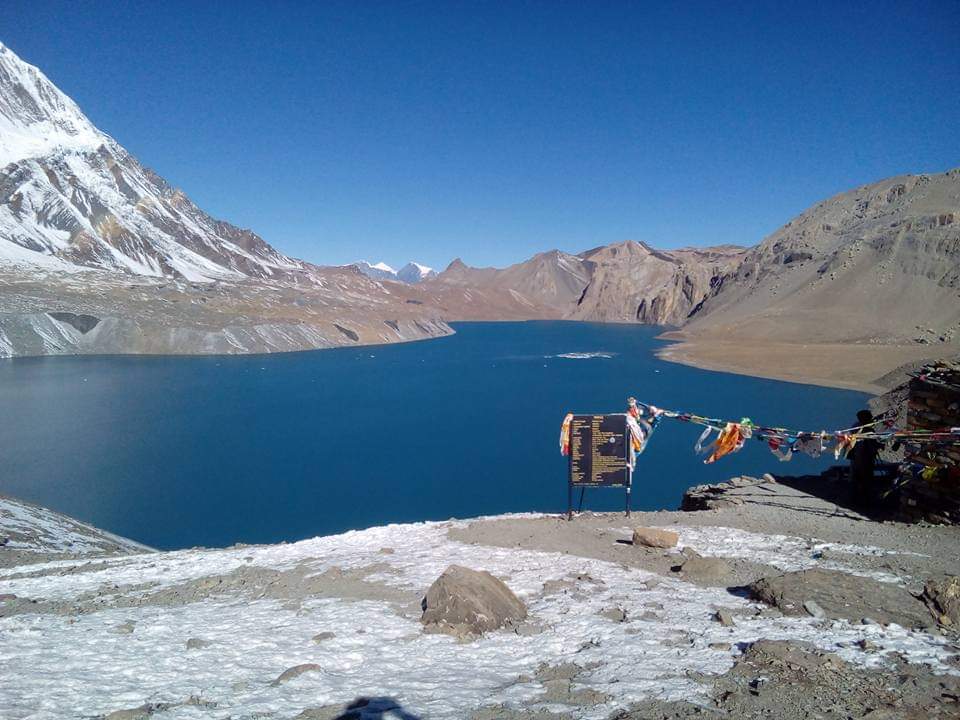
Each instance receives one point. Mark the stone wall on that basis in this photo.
(933, 404)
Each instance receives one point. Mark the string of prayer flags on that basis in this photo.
(783, 442)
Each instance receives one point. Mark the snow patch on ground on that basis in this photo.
(31, 527)
(781, 551)
(377, 651)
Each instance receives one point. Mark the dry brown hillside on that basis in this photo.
(878, 264)
(852, 288)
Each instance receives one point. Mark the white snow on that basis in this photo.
(89, 669)
(422, 269)
(31, 527)
(15, 256)
(781, 551)
(410, 273)
(48, 120)
(77, 182)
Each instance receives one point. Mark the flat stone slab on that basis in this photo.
(842, 597)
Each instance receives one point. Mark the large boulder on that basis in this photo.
(465, 602)
(708, 570)
(841, 597)
(655, 537)
(943, 598)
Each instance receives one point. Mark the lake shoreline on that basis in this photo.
(864, 368)
(838, 366)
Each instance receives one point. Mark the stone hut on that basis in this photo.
(932, 492)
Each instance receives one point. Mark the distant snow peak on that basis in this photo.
(410, 273)
(377, 271)
(415, 272)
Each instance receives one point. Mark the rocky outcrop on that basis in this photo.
(632, 282)
(797, 681)
(625, 282)
(465, 602)
(932, 403)
(942, 597)
(717, 495)
(842, 597)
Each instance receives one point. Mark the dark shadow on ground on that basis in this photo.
(375, 708)
(835, 486)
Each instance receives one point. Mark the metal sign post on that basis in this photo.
(599, 456)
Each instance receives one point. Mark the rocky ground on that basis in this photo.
(102, 313)
(773, 600)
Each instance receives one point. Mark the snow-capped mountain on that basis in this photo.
(415, 272)
(72, 197)
(377, 271)
(411, 273)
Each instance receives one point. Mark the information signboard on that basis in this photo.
(599, 454)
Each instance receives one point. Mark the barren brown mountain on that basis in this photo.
(855, 286)
(625, 282)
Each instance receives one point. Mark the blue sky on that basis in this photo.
(494, 130)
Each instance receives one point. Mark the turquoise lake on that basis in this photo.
(184, 451)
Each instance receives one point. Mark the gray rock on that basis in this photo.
(465, 602)
(197, 643)
(323, 636)
(706, 569)
(138, 713)
(617, 614)
(126, 628)
(724, 617)
(942, 597)
(295, 671)
(528, 629)
(327, 712)
(813, 609)
(655, 537)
